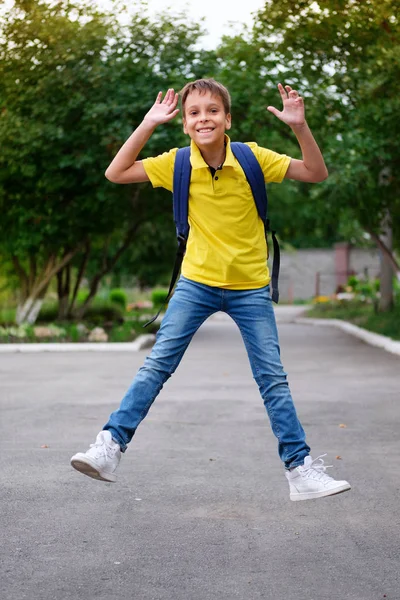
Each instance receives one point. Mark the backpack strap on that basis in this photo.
(255, 177)
(182, 174)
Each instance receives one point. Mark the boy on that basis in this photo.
(224, 269)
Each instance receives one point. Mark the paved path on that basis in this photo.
(201, 509)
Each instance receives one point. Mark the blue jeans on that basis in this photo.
(191, 304)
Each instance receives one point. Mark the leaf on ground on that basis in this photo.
(44, 446)
(342, 425)
(339, 457)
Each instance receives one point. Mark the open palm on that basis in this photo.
(293, 113)
(164, 110)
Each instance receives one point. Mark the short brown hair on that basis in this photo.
(207, 85)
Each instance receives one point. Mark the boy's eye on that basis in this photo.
(193, 112)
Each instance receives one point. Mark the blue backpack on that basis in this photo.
(255, 177)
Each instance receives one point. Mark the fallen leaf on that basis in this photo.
(339, 458)
(342, 425)
(44, 446)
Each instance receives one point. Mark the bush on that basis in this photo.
(158, 296)
(367, 289)
(119, 297)
(353, 283)
(48, 312)
(7, 316)
(98, 312)
(103, 310)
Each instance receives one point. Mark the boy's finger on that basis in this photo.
(274, 111)
(172, 115)
(167, 95)
(282, 90)
(173, 98)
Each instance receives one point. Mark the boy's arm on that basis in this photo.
(124, 168)
(311, 168)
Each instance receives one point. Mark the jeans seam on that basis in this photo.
(252, 357)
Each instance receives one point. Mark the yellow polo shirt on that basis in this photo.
(226, 246)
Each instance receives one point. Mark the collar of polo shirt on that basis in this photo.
(198, 162)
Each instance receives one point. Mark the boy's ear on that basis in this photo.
(228, 121)
(184, 125)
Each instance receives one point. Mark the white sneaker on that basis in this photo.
(310, 481)
(101, 460)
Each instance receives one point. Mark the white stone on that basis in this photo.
(98, 335)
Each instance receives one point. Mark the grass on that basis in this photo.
(361, 314)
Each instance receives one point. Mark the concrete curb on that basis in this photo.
(142, 342)
(374, 339)
(146, 341)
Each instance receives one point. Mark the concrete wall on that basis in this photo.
(300, 269)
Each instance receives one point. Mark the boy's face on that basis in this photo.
(205, 120)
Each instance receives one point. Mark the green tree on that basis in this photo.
(73, 84)
(347, 55)
(252, 72)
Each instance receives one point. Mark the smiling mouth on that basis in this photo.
(205, 130)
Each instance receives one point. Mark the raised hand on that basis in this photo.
(165, 110)
(293, 113)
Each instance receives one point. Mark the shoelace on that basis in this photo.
(103, 448)
(316, 470)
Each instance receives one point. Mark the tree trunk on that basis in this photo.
(107, 266)
(63, 291)
(386, 275)
(79, 277)
(29, 311)
(390, 257)
(386, 300)
(34, 285)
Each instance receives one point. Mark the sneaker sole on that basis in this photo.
(314, 495)
(87, 467)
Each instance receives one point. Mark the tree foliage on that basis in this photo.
(251, 70)
(74, 82)
(346, 56)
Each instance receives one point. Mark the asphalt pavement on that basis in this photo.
(201, 509)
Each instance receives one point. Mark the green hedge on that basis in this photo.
(98, 312)
(119, 297)
(158, 296)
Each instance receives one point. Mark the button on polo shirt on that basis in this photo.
(226, 246)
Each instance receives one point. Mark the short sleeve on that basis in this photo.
(160, 169)
(273, 165)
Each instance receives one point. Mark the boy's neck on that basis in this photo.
(214, 156)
